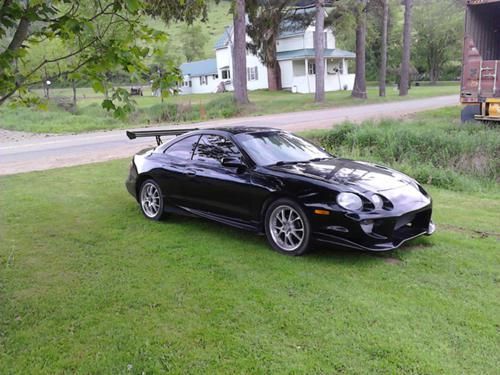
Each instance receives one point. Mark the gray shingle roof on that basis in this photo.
(199, 68)
(309, 53)
(224, 38)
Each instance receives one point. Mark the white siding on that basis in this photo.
(290, 44)
(286, 73)
(198, 88)
(183, 90)
(303, 82)
(261, 82)
(309, 38)
(293, 73)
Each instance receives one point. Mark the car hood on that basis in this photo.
(361, 176)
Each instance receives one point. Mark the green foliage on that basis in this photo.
(56, 120)
(220, 107)
(88, 286)
(436, 151)
(47, 40)
(224, 106)
(438, 29)
(193, 41)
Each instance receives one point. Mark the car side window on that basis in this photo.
(212, 148)
(184, 148)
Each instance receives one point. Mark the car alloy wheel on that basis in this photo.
(287, 227)
(151, 200)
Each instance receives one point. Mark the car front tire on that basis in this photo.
(287, 227)
(151, 200)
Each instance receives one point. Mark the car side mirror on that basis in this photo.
(232, 162)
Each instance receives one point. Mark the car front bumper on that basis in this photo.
(374, 234)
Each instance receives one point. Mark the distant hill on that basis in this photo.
(218, 17)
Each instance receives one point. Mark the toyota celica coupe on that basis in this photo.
(275, 183)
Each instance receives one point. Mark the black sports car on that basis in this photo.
(273, 182)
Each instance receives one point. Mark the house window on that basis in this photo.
(311, 67)
(215, 76)
(203, 80)
(252, 74)
(299, 69)
(226, 74)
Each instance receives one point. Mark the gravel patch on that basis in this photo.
(8, 136)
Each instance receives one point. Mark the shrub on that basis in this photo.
(223, 106)
(440, 155)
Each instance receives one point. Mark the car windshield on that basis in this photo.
(270, 148)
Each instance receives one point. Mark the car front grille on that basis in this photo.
(404, 226)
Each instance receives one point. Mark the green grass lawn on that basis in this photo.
(87, 285)
(90, 116)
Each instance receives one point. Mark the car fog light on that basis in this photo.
(431, 229)
(367, 226)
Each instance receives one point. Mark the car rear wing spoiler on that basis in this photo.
(157, 133)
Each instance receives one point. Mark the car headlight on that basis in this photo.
(377, 201)
(349, 201)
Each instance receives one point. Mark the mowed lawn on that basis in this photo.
(87, 285)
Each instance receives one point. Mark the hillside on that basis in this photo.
(218, 17)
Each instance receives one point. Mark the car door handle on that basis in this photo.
(190, 173)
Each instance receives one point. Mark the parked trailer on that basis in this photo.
(480, 87)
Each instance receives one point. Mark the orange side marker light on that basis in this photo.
(322, 212)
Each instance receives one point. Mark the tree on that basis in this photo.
(319, 51)
(405, 60)
(383, 52)
(98, 36)
(239, 53)
(437, 39)
(265, 18)
(193, 42)
(359, 89)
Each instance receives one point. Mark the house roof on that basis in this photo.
(309, 53)
(199, 68)
(224, 38)
(289, 28)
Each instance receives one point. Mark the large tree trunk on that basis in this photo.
(274, 76)
(359, 89)
(319, 51)
(383, 58)
(239, 54)
(405, 62)
(273, 67)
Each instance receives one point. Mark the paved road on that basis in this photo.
(46, 152)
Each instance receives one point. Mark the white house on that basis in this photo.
(295, 53)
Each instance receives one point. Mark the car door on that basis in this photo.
(173, 172)
(214, 188)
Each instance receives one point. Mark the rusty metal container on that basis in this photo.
(481, 58)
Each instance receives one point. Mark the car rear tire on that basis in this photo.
(151, 200)
(287, 227)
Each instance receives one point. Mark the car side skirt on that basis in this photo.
(249, 226)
